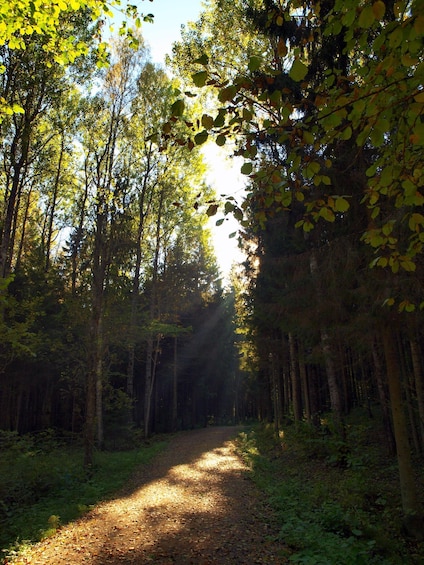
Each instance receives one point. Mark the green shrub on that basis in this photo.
(329, 513)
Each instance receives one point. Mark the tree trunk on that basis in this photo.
(150, 365)
(143, 209)
(99, 399)
(384, 401)
(148, 387)
(276, 394)
(328, 353)
(77, 238)
(22, 140)
(419, 385)
(23, 231)
(305, 388)
(90, 420)
(410, 504)
(49, 238)
(295, 381)
(175, 388)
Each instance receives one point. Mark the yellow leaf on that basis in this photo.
(408, 265)
(419, 97)
(382, 262)
(327, 214)
(342, 205)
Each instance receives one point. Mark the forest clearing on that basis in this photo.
(119, 332)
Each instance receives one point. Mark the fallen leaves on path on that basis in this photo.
(193, 505)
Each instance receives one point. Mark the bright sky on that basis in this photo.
(224, 175)
(169, 15)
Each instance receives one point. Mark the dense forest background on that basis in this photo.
(113, 315)
(107, 264)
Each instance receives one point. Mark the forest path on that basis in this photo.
(192, 505)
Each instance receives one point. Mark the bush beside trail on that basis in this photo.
(337, 500)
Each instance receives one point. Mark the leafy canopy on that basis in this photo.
(21, 20)
(375, 101)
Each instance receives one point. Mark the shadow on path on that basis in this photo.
(194, 504)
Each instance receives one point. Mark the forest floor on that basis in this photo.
(193, 504)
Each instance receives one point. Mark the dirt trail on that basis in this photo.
(193, 505)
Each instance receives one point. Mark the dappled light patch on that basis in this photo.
(192, 505)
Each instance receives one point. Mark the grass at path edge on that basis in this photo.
(44, 486)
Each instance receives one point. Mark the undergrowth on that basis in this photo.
(337, 502)
(43, 484)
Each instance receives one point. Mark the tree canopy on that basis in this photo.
(332, 72)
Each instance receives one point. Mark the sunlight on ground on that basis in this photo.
(187, 506)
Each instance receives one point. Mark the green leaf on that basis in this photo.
(17, 109)
(366, 17)
(200, 78)
(229, 207)
(254, 63)
(201, 137)
(203, 60)
(416, 220)
(212, 210)
(207, 121)
(298, 70)
(221, 140)
(418, 134)
(379, 9)
(247, 168)
(408, 265)
(387, 228)
(220, 119)
(349, 17)
(382, 262)
(346, 133)
(227, 94)
(177, 108)
(308, 137)
(308, 226)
